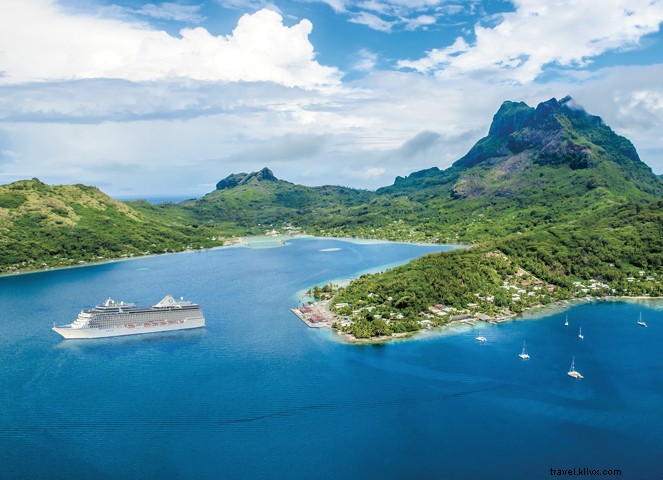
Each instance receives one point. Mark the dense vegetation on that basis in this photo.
(45, 226)
(563, 206)
(620, 253)
(259, 201)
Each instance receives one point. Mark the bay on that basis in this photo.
(257, 394)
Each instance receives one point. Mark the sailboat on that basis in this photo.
(480, 339)
(566, 323)
(572, 372)
(524, 355)
(580, 335)
(640, 322)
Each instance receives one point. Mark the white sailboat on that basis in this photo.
(480, 338)
(580, 335)
(640, 322)
(572, 372)
(566, 323)
(524, 355)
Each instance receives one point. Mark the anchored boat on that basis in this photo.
(572, 372)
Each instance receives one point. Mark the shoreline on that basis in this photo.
(238, 242)
(531, 313)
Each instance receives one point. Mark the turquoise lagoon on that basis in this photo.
(256, 394)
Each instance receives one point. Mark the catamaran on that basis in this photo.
(524, 355)
(640, 322)
(480, 338)
(572, 372)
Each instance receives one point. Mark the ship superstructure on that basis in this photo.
(113, 319)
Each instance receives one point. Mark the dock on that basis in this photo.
(311, 320)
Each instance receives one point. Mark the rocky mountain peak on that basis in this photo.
(555, 132)
(237, 179)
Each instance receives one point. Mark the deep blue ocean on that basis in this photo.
(257, 394)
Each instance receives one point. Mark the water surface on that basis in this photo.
(257, 394)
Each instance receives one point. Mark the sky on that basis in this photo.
(167, 98)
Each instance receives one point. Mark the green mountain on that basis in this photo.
(564, 206)
(259, 201)
(537, 166)
(46, 226)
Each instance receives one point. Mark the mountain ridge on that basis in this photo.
(537, 167)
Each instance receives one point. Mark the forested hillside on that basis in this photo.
(44, 226)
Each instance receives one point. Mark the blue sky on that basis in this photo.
(166, 98)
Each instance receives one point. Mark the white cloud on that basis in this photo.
(366, 61)
(372, 21)
(172, 11)
(183, 135)
(389, 15)
(336, 5)
(42, 42)
(651, 101)
(537, 34)
(630, 101)
(187, 137)
(248, 5)
(373, 172)
(420, 21)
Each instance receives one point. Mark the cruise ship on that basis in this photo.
(114, 319)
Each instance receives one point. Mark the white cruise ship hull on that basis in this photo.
(130, 329)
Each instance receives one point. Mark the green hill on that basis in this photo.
(45, 226)
(259, 201)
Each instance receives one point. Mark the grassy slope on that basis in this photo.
(44, 225)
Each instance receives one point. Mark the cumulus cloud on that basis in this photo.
(389, 124)
(537, 34)
(152, 131)
(60, 45)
